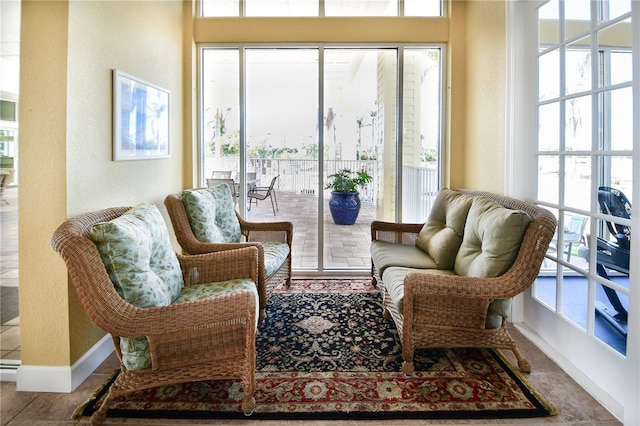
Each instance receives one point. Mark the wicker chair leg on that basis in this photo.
(100, 416)
(249, 402)
(407, 368)
(523, 364)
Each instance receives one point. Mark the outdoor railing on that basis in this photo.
(420, 184)
(301, 176)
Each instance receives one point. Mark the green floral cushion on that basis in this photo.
(211, 214)
(200, 207)
(207, 290)
(142, 265)
(275, 253)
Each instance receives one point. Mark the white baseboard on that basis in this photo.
(613, 406)
(41, 378)
(9, 370)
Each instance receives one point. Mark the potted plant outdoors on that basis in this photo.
(344, 202)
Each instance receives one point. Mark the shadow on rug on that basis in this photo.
(326, 352)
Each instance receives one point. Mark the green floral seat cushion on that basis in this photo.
(207, 290)
(138, 355)
(211, 214)
(275, 253)
(137, 253)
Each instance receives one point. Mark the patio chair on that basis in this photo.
(172, 318)
(264, 192)
(221, 174)
(6, 176)
(232, 186)
(572, 234)
(200, 228)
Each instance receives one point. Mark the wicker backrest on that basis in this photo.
(87, 271)
(535, 242)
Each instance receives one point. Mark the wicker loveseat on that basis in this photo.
(172, 318)
(205, 220)
(448, 282)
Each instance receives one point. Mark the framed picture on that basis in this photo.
(140, 119)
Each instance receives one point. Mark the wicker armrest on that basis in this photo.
(221, 265)
(404, 233)
(282, 227)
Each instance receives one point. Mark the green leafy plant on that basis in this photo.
(347, 181)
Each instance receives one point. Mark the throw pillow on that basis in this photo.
(492, 239)
(441, 235)
(136, 251)
(211, 214)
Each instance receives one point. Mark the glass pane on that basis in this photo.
(548, 24)
(577, 182)
(281, 119)
(549, 127)
(548, 181)
(220, 8)
(221, 111)
(546, 284)
(570, 243)
(281, 7)
(549, 75)
(421, 134)
(359, 91)
(423, 7)
(621, 175)
(612, 307)
(577, 15)
(578, 124)
(614, 45)
(621, 127)
(360, 7)
(578, 66)
(575, 297)
(611, 9)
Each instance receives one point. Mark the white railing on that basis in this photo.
(420, 184)
(301, 176)
(420, 187)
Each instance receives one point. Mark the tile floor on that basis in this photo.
(576, 407)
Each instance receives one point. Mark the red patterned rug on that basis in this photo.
(326, 352)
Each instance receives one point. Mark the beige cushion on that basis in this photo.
(441, 235)
(385, 254)
(492, 239)
(393, 279)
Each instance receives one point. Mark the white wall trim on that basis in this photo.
(65, 379)
(596, 391)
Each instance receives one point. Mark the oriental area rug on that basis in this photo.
(326, 352)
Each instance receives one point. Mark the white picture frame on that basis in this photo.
(141, 119)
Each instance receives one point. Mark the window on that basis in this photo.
(585, 162)
(211, 8)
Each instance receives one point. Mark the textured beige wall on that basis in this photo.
(485, 96)
(68, 52)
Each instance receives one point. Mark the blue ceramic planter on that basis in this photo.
(344, 207)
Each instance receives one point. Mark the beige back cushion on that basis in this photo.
(492, 239)
(441, 235)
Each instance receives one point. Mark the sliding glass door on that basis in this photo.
(281, 120)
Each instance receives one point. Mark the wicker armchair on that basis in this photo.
(207, 339)
(447, 311)
(254, 233)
